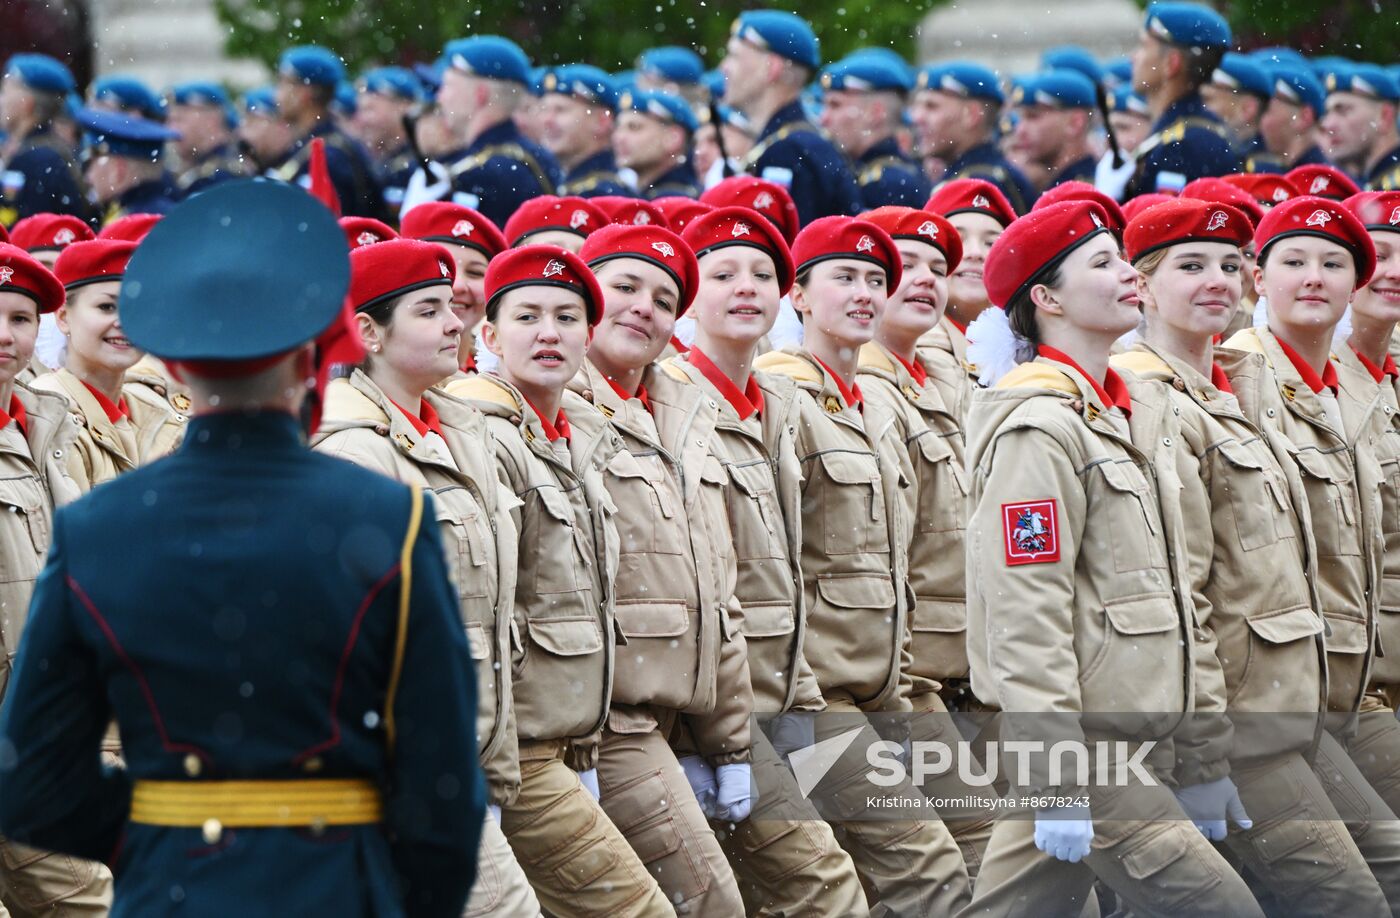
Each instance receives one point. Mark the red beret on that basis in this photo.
(655, 244)
(1377, 210)
(453, 224)
(1314, 216)
(544, 265)
(1219, 191)
(1036, 242)
(49, 232)
(679, 211)
(131, 228)
(629, 211)
(4, 234)
(730, 226)
(848, 237)
(546, 212)
(1323, 181)
(1137, 205)
(767, 198)
(969, 194)
(1083, 191)
(383, 270)
(365, 231)
(1185, 220)
(1268, 188)
(921, 226)
(20, 272)
(93, 261)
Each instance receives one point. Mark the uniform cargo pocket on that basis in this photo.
(22, 500)
(574, 638)
(477, 642)
(653, 619)
(938, 615)
(857, 592)
(650, 517)
(852, 504)
(755, 515)
(1285, 627)
(1140, 635)
(1258, 508)
(942, 488)
(558, 557)
(1347, 635)
(1135, 533)
(1330, 500)
(1147, 615)
(771, 620)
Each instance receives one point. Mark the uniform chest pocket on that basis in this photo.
(558, 555)
(755, 516)
(1257, 499)
(1135, 535)
(851, 504)
(1388, 449)
(650, 508)
(24, 515)
(467, 541)
(942, 485)
(1328, 481)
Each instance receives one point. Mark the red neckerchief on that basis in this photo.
(915, 369)
(1112, 391)
(640, 396)
(1217, 339)
(16, 414)
(851, 396)
(1328, 379)
(679, 345)
(1219, 380)
(556, 431)
(746, 403)
(421, 423)
(1378, 373)
(114, 412)
(469, 363)
(956, 324)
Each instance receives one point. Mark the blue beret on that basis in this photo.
(889, 58)
(397, 82)
(129, 95)
(1057, 89)
(72, 104)
(580, 81)
(1300, 86)
(1271, 57)
(661, 105)
(1123, 99)
(672, 64)
(1368, 80)
(121, 134)
(244, 270)
(489, 56)
(865, 73)
(203, 92)
(625, 81)
(1189, 25)
(784, 34)
(714, 82)
(430, 75)
(962, 78)
(312, 64)
(261, 101)
(346, 100)
(41, 72)
(1073, 57)
(1239, 71)
(1119, 71)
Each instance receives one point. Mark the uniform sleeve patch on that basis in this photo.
(1031, 531)
(778, 176)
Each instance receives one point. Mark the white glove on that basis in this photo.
(1113, 182)
(1064, 833)
(1209, 806)
(701, 778)
(791, 732)
(423, 188)
(589, 780)
(736, 793)
(495, 812)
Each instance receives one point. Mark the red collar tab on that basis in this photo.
(114, 412)
(1378, 373)
(1219, 380)
(16, 414)
(427, 421)
(851, 396)
(956, 324)
(641, 395)
(1113, 392)
(679, 345)
(746, 403)
(915, 369)
(559, 430)
(1328, 379)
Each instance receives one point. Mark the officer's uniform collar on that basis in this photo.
(1188, 106)
(984, 152)
(789, 113)
(238, 430)
(602, 161)
(499, 133)
(881, 150)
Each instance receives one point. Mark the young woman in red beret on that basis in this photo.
(745, 269)
(36, 439)
(541, 305)
(682, 700)
(388, 416)
(1249, 562)
(1075, 605)
(122, 426)
(855, 543)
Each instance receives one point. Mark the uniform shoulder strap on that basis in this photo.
(508, 150)
(873, 170)
(415, 519)
(782, 133)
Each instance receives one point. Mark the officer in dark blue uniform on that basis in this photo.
(1055, 112)
(40, 172)
(1297, 104)
(770, 57)
(577, 108)
(1180, 47)
(386, 96)
(280, 647)
(1362, 102)
(1237, 93)
(129, 95)
(122, 155)
(204, 117)
(307, 80)
(497, 169)
(943, 95)
(863, 105)
(673, 69)
(655, 138)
